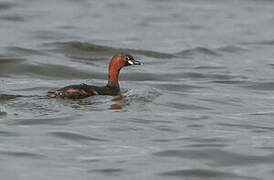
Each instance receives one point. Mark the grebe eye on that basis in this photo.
(127, 58)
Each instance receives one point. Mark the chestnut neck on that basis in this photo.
(114, 68)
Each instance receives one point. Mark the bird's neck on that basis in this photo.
(113, 76)
(114, 68)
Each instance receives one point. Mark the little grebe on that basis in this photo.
(112, 88)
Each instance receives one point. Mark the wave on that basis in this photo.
(230, 49)
(6, 5)
(75, 136)
(75, 47)
(202, 173)
(264, 42)
(13, 18)
(211, 51)
(198, 50)
(23, 51)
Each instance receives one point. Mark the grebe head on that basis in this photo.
(129, 60)
(122, 59)
(116, 64)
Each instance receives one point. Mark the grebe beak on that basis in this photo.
(133, 62)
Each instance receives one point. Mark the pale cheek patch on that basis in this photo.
(130, 62)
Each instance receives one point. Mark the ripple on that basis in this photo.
(13, 18)
(175, 87)
(262, 114)
(8, 133)
(248, 126)
(263, 86)
(195, 27)
(186, 106)
(224, 101)
(208, 145)
(6, 5)
(74, 47)
(150, 76)
(52, 35)
(211, 51)
(135, 97)
(60, 72)
(56, 71)
(209, 67)
(106, 151)
(20, 154)
(229, 81)
(107, 171)
(271, 65)
(23, 51)
(196, 142)
(203, 173)
(216, 77)
(230, 49)
(75, 137)
(265, 42)
(218, 157)
(144, 96)
(42, 121)
(198, 50)
(149, 121)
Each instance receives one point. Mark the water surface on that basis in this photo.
(200, 106)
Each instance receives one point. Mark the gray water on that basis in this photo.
(200, 107)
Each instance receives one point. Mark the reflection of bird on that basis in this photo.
(112, 88)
